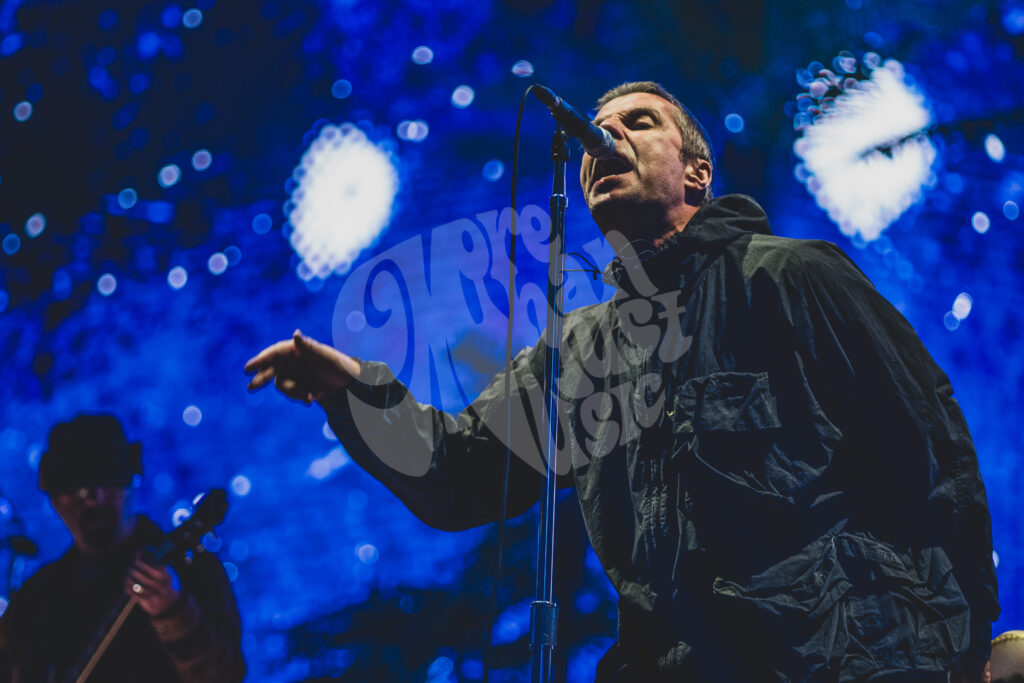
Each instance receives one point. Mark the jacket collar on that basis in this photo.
(712, 228)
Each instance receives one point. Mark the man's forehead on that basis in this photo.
(634, 100)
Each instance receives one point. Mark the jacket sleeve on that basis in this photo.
(916, 470)
(447, 469)
(202, 632)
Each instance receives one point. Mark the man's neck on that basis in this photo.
(624, 232)
(93, 551)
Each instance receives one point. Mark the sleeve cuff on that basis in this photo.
(376, 387)
(178, 622)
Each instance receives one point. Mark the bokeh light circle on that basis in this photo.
(345, 186)
(177, 277)
(106, 284)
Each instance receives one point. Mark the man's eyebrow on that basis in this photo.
(636, 112)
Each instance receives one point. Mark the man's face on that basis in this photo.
(93, 514)
(646, 176)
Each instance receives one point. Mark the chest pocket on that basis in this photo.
(725, 430)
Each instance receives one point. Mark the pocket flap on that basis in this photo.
(806, 584)
(726, 401)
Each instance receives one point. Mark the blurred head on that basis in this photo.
(662, 168)
(1007, 660)
(88, 469)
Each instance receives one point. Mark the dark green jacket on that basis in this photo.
(771, 467)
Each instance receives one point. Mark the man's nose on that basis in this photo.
(615, 127)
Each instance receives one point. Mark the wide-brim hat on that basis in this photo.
(90, 450)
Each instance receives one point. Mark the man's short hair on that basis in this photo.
(696, 144)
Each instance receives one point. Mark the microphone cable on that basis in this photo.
(508, 389)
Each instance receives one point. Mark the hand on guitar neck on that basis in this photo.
(155, 588)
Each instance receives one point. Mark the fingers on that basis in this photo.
(261, 378)
(302, 368)
(154, 573)
(302, 343)
(152, 587)
(143, 579)
(270, 355)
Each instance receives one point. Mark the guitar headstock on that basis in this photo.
(180, 543)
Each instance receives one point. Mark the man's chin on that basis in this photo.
(99, 535)
(611, 205)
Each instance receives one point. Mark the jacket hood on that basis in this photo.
(714, 226)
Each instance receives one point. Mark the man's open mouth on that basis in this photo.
(611, 166)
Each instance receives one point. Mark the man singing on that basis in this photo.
(771, 467)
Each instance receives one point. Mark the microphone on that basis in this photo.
(597, 142)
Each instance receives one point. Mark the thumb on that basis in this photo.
(302, 343)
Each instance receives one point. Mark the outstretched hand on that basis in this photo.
(302, 368)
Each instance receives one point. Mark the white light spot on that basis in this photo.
(355, 321)
(35, 225)
(328, 432)
(367, 553)
(241, 485)
(106, 284)
(493, 170)
(169, 175)
(321, 468)
(217, 263)
(126, 198)
(202, 159)
(995, 559)
(23, 110)
(994, 148)
(179, 515)
(413, 131)
(734, 123)
(192, 18)
(962, 305)
(1011, 210)
(981, 222)
(867, 154)
(342, 201)
(522, 68)
(950, 321)
(423, 55)
(177, 277)
(192, 416)
(462, 96)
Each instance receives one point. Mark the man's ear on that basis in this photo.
(697, 176)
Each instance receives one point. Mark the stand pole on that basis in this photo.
(544, 610)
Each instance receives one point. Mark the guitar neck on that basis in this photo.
(105, 634)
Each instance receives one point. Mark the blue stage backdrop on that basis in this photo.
(182, 184)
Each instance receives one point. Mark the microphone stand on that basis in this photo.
(544, 610)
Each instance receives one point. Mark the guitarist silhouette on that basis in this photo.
(126, 602)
